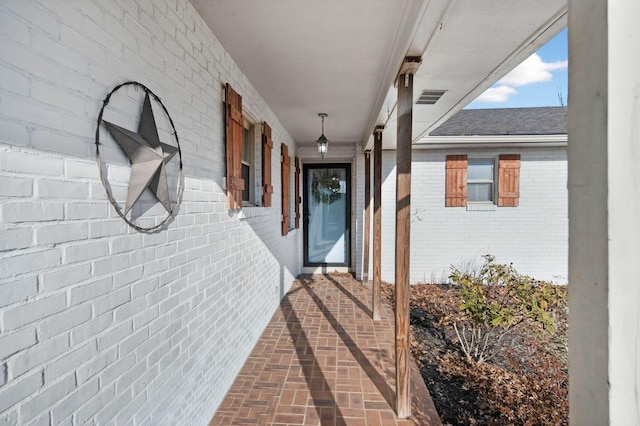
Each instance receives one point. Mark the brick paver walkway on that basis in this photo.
(322, 361)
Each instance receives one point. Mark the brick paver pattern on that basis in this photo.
(323, 361)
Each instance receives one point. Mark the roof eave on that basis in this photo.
(492, 141)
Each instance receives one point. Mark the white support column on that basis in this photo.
(604, 212)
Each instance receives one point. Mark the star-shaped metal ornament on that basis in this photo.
(148, 157)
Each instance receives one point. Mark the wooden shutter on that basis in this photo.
(508, 180)
(267, 145)
(297, 194)
(456, 186)
(234, 124)
(285, 161)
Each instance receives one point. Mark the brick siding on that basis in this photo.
(532, 236)
(99, 323)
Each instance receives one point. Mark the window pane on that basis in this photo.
(328, 236)
(480, 170)
(246, 146)
(480, 191)
(245, 176)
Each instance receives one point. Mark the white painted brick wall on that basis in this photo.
(101, 324)
(532, 236)
(12, 291)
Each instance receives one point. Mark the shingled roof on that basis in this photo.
(505, 121)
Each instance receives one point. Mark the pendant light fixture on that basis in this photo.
(323, 142)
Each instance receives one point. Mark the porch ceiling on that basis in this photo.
(342, 57)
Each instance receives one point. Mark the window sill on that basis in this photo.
(481, 206)
(249, 211)
(291, 232)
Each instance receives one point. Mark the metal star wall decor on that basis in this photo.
(149, 157)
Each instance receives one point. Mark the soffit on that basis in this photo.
(341, 57)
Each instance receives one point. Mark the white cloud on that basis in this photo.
(532, 70)
(498, 94)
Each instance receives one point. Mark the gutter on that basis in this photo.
(509, 141)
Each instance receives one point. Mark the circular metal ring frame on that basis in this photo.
(99, 161)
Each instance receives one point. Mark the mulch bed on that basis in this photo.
(526, 383)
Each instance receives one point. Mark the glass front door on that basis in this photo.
(327, 201)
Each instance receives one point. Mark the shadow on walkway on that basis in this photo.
(322, 361)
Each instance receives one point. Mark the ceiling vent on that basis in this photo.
(430, 97)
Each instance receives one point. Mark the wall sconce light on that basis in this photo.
(323, 142)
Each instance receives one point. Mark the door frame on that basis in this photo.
(305, 213)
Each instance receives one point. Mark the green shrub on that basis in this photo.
(497, 299)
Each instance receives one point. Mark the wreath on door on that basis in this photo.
(326, 188)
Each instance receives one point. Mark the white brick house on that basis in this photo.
(533, 235)
(102, 324)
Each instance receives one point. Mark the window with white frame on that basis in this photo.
(248, 180)
(480, 180)
(248, 162)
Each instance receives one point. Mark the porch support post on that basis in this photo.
(377, 221)
(604, 207)
(403, 224)
(367, 217)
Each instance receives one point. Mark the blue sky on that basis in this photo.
(535, 82)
